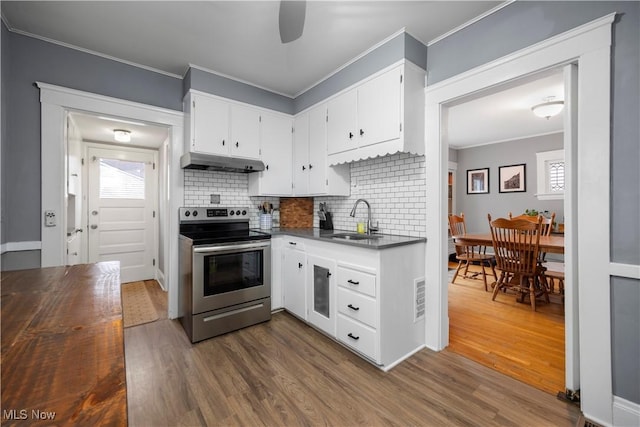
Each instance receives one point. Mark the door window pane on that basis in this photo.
(121, 179)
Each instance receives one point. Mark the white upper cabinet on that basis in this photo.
(217, 126)
(301, 154)
(277, 156)
(245, 132)
(379, 109)
(209, 124)
(312, 174)
(342, 122)
(382, 115)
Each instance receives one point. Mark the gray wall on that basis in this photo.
(233, 89)
(4, 65)
(477, 206)
(381, 57)
(27, 60)
(521, 24)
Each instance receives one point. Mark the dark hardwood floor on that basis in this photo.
(285, 373)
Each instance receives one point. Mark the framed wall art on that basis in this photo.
(512, 178)
(478, 181)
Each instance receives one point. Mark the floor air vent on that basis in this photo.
(419, 299)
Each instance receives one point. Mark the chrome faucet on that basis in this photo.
(370, 227)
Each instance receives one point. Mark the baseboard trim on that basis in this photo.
(20, 246)
(625, 413)
(160, 279)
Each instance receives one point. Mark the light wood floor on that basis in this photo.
(508, 336)
(285, 373)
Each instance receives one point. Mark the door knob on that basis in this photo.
(94, 212)
(94, 226)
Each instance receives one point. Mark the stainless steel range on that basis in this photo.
(225, 272)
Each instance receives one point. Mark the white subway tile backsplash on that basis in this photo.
(394, 186)
(231, 186)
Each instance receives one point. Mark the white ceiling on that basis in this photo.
(504, 113)
(240, 39)
(100, 129)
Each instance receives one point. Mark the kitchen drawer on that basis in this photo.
(357, 336)
(293, 243)
(358, 306)
(357, 281)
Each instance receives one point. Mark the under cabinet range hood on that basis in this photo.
(215, 162)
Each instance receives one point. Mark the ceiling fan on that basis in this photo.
(291, 19)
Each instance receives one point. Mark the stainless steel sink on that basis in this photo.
(354, 236)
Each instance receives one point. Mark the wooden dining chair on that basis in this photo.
(547, 223)
(546, 226)
(468, 255)
(516, 246)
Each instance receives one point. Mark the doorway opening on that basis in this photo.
(489, 131)
(113, 189)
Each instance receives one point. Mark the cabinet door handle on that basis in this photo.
(310, 166)
(353, 308)
(328, 274)
(237, 144)
(350, 135)
(353, 337)
(223, 142)
(361, 132)
(267, 167)
(299, 265)
(353, 282)
(303, 168)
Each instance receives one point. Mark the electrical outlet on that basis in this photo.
(49, 218)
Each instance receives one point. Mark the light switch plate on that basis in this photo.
(49, 218)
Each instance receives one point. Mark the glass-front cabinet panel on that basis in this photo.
(322, 312)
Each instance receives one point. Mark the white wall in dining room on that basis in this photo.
(477, 206)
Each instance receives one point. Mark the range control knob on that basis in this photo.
(238, 212)
(244, 212)
(231, 213)
(187, 213)
(195, 213)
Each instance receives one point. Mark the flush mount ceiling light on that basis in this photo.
(122, 135)
(548, 108)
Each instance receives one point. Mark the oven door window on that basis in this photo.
(232, 272)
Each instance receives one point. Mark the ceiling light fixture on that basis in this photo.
(122, 135)
(548, 108)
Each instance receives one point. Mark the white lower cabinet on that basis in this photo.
(294, 278)
(367, 299)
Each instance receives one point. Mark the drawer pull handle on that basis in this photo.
(353, 337)
(353, 308)
(353, 282)
(299, 265)
(293, 243)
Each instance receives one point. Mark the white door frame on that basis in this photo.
(55, 102)
(589, 46)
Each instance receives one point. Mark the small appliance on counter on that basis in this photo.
(325, 217)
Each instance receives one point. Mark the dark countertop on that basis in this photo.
(384, 241)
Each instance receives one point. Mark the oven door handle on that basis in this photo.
(227, 247)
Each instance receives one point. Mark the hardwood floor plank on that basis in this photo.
(285, 373)
(508, 336)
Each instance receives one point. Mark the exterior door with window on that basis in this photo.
(121, 210)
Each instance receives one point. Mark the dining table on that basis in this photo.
(550, 244)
